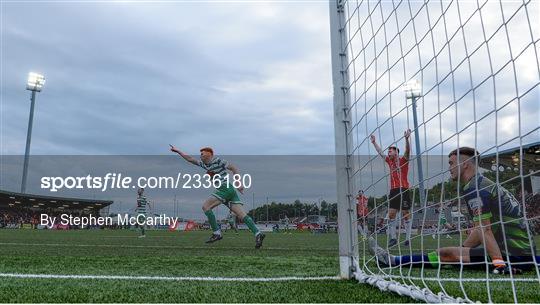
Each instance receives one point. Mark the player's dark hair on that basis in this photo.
(207, 149)
(464, 151)
(394, 147)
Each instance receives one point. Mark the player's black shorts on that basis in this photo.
(400, 199)
(523, 262)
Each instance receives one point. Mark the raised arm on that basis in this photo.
(407, 136)
(186, 157)
(377, 147)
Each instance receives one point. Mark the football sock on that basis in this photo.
(251, 225)
(212, 220)
(428, 260)
(392, 228)
(408, 228)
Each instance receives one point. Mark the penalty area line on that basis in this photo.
(168, 278)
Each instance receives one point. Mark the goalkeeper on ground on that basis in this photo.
(499, 236)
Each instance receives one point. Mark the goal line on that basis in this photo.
(168, 278)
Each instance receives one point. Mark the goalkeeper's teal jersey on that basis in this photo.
(488, 200)
(141, 205)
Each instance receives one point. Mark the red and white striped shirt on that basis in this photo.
(399, 170)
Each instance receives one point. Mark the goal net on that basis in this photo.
(454, 216)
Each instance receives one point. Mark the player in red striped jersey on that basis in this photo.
(399, 187)
(362, 212)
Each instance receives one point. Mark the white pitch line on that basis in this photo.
(147, 237)
(169, 278)
(156, 246)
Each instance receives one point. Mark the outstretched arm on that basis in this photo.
(407, 136)
(483, 235)
(377, 147)
(474, 239)
(186, 157)
(490, 243)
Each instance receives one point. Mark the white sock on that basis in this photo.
(408, 229)
(361, 229)
(392, 228)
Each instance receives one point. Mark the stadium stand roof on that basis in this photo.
(510, 158)
(12, 199)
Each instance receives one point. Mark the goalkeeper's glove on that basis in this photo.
(507, 270)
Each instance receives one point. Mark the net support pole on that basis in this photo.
(348, 235)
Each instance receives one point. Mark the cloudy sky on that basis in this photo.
(254, 78)
(129, 78)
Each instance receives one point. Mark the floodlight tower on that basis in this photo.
(413, 91)
(35, 84)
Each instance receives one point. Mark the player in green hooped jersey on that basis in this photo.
(226, 194)
(499, 236)
(142, 205)
(443, 225)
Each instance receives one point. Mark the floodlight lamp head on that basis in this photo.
(35, 82)
(412, 89)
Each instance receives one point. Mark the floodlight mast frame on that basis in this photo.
(35, 84)
(413, 91)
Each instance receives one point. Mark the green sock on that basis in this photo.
(433, 258)
(251, 225)
(212, 220)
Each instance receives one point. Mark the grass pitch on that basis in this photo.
(162, 253)
(183, 254)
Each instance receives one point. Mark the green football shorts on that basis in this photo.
(227, 194)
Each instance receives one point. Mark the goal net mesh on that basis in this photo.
(476, 64)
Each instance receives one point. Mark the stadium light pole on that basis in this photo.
(253, 206)
(35, 84)
(413, 91)
(266, 209)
